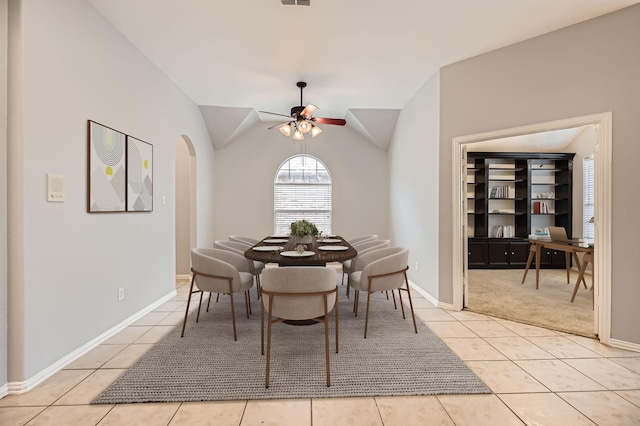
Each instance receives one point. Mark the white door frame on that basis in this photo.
(603, 183)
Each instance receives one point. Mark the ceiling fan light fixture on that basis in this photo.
(304, 126)
(286, 129)
(301, 120)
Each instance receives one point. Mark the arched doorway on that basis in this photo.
(185, 202)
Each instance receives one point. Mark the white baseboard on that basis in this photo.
(624, 345)
(4, 391)
(424, 294)
(183, 277)
(21, 387)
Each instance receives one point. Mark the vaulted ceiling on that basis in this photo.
(363, 60)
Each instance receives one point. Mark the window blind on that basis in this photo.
(302, 190)
(588, 196)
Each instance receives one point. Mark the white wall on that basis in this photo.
(246, 167)
(413, 164)
(591, 67)
(4, 340)
(77, 67)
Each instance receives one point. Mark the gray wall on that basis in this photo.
(588, 68)
(3, 192)
(245, 171)
(68, 264)
(413, 160)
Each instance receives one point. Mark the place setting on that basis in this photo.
(268, 248)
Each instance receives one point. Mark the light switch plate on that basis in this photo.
(55, 187)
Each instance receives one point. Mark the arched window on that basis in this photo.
(302, 190)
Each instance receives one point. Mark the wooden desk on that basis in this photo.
(570, 249)
(320, 257)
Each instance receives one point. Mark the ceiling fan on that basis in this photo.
(302, 121)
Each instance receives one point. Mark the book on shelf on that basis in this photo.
(500, 192)
(540, 207)
(504, 231)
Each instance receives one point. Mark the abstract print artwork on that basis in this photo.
(139, 175)
(107, 169)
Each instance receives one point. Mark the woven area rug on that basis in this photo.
(207, 364)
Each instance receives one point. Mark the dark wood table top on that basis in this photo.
(319, 258)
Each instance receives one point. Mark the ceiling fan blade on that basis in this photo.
(275, 113)
(278, 125)
(336, 121)
(309, 110)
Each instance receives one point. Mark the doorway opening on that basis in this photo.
(601, 124)
(185, 203)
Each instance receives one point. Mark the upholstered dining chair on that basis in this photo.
(362, 238)
(219, 271)
(237, 247)
(361, 248)
(381, 270)
(243, 239)
(297, 293)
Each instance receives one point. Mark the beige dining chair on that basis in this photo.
(219, 271)
(362, 238)
(237, 247)
(381, 270)
(242, 239)
(297, 293)
(361, 248)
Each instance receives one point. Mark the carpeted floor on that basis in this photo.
(208, 365)
(499, 293)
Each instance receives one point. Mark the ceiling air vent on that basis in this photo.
(298, 2)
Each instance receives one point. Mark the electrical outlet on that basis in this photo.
(120, 294)
(417, 266)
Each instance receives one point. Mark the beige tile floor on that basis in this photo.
(538, 376)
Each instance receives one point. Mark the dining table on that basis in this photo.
(281, 249)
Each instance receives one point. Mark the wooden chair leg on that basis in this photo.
(366, 317)
(269, 323)
(233, 312)
(336, 308)
(199, 306)
(401, 304)
(532, 253)
(209, 302)
(261, 328)
(326, 340)
(186, 312)
(406, 280)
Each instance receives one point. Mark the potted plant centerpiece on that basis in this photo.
(304, 231)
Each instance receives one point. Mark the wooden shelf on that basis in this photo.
(522, 174)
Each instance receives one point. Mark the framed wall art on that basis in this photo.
(107, 169)
(139, 175)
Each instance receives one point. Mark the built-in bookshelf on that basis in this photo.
(510, 196)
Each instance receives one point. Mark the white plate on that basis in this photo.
(296, 254)
(329, 240)
(275, 241)
(268, 248)
(333, 248)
